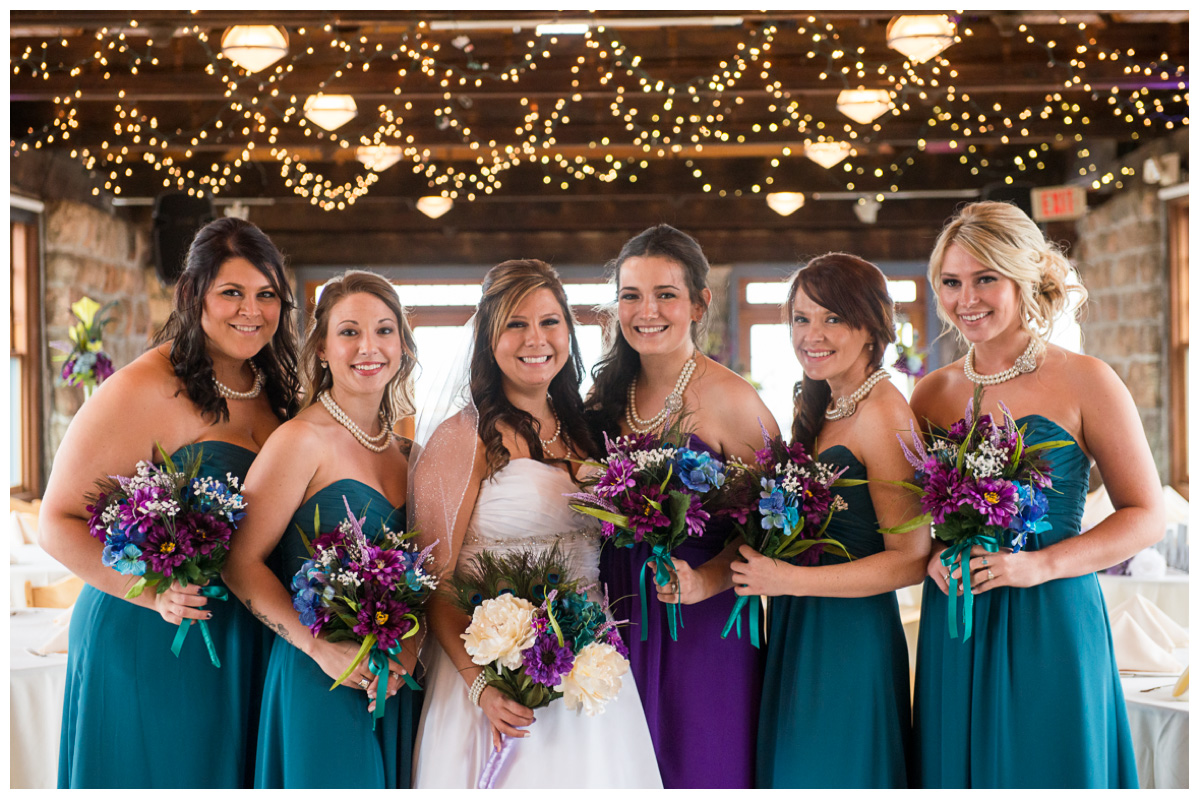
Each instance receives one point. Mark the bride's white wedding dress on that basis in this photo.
(523, 507)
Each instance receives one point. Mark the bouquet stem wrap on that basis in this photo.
(735, 617)
(216, 593)
(495, 762)
(952, 557)
(663, 569)
(379, 666)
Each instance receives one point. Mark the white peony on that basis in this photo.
(500, 629)
(594, 679)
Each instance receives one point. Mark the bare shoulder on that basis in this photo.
(931, 398)
(726, 390)
(300, 435)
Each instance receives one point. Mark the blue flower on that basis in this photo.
(775, 510)
(124, 557)
(1032, 506)
(699, 471)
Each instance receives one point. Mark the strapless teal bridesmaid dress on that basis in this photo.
(835, 711)
(311, 737)
(1032, 699)
(137, 717)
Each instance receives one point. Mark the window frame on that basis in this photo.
(25, 332)
(1178, 342)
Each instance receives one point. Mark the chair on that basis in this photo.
(56, 595)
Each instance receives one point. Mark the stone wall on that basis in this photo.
(88, 251)
(1121, 255)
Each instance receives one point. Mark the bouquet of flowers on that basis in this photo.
(909, 361)
(168, 525)
(537, 635)
(652, 490)
(86, 364)
(367, 590)
(782, 507)
(979, 484)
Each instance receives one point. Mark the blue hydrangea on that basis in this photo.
(699, 471)
(775, 509)
(124, 557)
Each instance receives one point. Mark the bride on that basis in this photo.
(492, 477)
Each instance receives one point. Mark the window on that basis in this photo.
(25, 367)
(1177, 364)
(765, 343)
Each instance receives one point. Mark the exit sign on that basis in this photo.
(1059, 202)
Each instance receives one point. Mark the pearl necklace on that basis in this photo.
(557, 430)
(375, 444)
(1026, 362)
(673, 403)
(230, 394)
(847, 405)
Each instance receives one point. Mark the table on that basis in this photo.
(35, 565)
(1170, 592)
(1158, 724)
(36, 687)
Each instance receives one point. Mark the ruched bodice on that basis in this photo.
(1069, 470)
(522, 506)
(857, 529)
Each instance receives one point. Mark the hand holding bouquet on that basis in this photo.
(979, 484)
(537, 636)
(652, 490)
(364, 589)
(782, 507)
(167, 525)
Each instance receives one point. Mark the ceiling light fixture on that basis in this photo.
(867, 210)
(827, 154)
(920, 37)
(433, 206)
(784, 203)
(378, 157)
(330, 111)
(254, 47)
(864, 105)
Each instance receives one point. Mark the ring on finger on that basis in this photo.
(364, 683)
(991, 577)
(985, 561)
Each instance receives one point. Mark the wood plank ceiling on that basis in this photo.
(560, 146)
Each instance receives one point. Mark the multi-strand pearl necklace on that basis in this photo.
(847, 405)
(672, 405)
(230, 394)
(1026, 362)
(376, 444)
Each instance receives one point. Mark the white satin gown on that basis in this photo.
(522, 507)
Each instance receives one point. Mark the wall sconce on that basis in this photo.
(827, 154)
(433, 206)
(254, 47)
(864, 105)
(867, 210)
(330, 111)
(378, 157)
(784, 203)
(920, 37)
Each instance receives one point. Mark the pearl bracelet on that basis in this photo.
(477, 688)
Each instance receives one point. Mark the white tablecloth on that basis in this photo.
(36, 686)
(35, 565)
(1170, 592)
(1158, 724)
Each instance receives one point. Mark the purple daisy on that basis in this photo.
(546, 662)
(696, 518)
(643, 517)
(204, 532)
(617, 478)
(96, 525)
(380, 566)
(944, 491)
(164, 552)
(995, 499)
(383, 617)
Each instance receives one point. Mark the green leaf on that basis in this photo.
(616, 519)
(166, 457)
(850, 482)
(679, 504)
(1033, 448)
(136, 589)
(666, 480)
(911, 525)
(367, 644)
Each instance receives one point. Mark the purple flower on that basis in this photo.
(68, 368)
(611, 636)
(383, 617)
(944, 491)
(644, 517)
(616, 478)
(995, 499)
(103, 368)
(695, 517)
(96, 525)
(383, 567)
(330, 540)
(163, 551)
(546, 662)
(139, 512)
(204, 532)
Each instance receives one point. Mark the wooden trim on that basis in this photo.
(26, 344)
(1177, 354)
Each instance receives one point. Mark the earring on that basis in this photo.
(324, 364)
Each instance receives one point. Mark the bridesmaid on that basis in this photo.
(219, 381)
(700, 693)
(1033, 698)
(357, 361)
(837, 661)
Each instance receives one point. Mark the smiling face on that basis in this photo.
(826, 346)
(982, 303)
(653, 306)
(362, 344)
(241, 310)
(533, 345)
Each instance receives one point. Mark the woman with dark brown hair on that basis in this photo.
(220, 380)
(358, 361)
(835, 711)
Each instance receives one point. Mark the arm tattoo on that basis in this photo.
(279, 630)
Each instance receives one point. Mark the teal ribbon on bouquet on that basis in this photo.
(378, 665)
(662, 575)
(216, 593)
(952, 557)
(735, 618)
